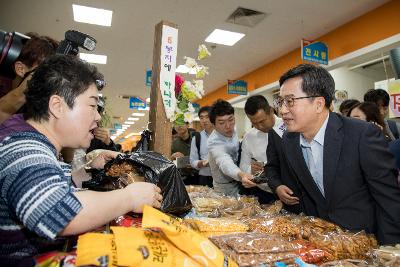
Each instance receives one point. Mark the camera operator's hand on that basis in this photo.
(14, 100)
(103, 135)
(144, 194)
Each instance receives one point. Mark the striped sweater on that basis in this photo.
(36, 201)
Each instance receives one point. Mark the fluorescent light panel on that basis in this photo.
(93, 58)
(138, 114)
(129, 122)
(92, 15)
(133, 119)
(224, 37)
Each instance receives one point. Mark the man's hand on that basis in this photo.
(256, 167)
(202, 163)
(247, 180)
(103, 135)
(144, 194)
(285, 195)
(176, 155)
(99, 161)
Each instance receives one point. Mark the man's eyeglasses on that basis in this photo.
(289, 101)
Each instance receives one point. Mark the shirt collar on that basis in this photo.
(319, 137)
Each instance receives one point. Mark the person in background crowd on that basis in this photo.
(255, 142)
(34, 52)
(101, 138)
(39, 203)
(368, 111)
(223, 151)
(347, 105)
(181, 148)
(381, 98)
(344, 167)
(199, 149)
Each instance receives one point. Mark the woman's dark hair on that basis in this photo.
(220, 108)
(65, 76)
(377, 96)
(316, 81)
(372, 113)
(255, 103)
(347, 105)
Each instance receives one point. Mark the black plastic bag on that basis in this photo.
(144, 142)
(156, 169)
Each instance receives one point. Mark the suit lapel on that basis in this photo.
(332, 146)
(292, 150)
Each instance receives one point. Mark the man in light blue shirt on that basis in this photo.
(223, 151)
(313, 154)
(199, 148)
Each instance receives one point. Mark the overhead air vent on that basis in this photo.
(246, 17)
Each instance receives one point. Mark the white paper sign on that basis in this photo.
(169, 46)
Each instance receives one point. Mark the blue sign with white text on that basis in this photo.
(238, 87)
(137, 103)
(148, 77)
(113, 131)
(117, 126)
(315, 52)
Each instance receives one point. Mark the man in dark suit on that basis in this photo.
(346, 172)
(278, 176)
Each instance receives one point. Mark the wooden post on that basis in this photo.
(160, 125)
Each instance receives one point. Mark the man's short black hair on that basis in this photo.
(378, 96)
(317, 81)
(65, 76)
(255, 103)
(347, 105)
(220, 108)
(204, 109)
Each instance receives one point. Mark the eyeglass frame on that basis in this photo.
(276, 105)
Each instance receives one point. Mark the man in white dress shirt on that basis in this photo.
(255, 142)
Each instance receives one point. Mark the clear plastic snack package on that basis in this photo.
(255, 249)
(387, 256)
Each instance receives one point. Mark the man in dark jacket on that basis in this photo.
(346, 172)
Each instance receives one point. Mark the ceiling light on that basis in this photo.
(146, 108)
(148, 100)
(113, 137)
(93, 58)
(133, 119)
(129, 122)
(224, 37)
(92, 15)
(138, 115)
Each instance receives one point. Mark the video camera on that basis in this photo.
(11, 44)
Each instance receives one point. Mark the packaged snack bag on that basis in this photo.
(193, 244)
(96, 249)
(147, 248)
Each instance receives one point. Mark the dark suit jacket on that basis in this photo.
(360, 178)
(277, 170)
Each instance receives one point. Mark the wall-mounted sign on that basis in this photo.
(314, 52)
(117, 126)
(394, 104)
(137, 103)
(237, 87)
(148, 77)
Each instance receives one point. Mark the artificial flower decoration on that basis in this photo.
(203, 52)
(189, 91)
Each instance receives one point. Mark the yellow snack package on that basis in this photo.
(147, 248)
(96, 249)
(193, 244)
